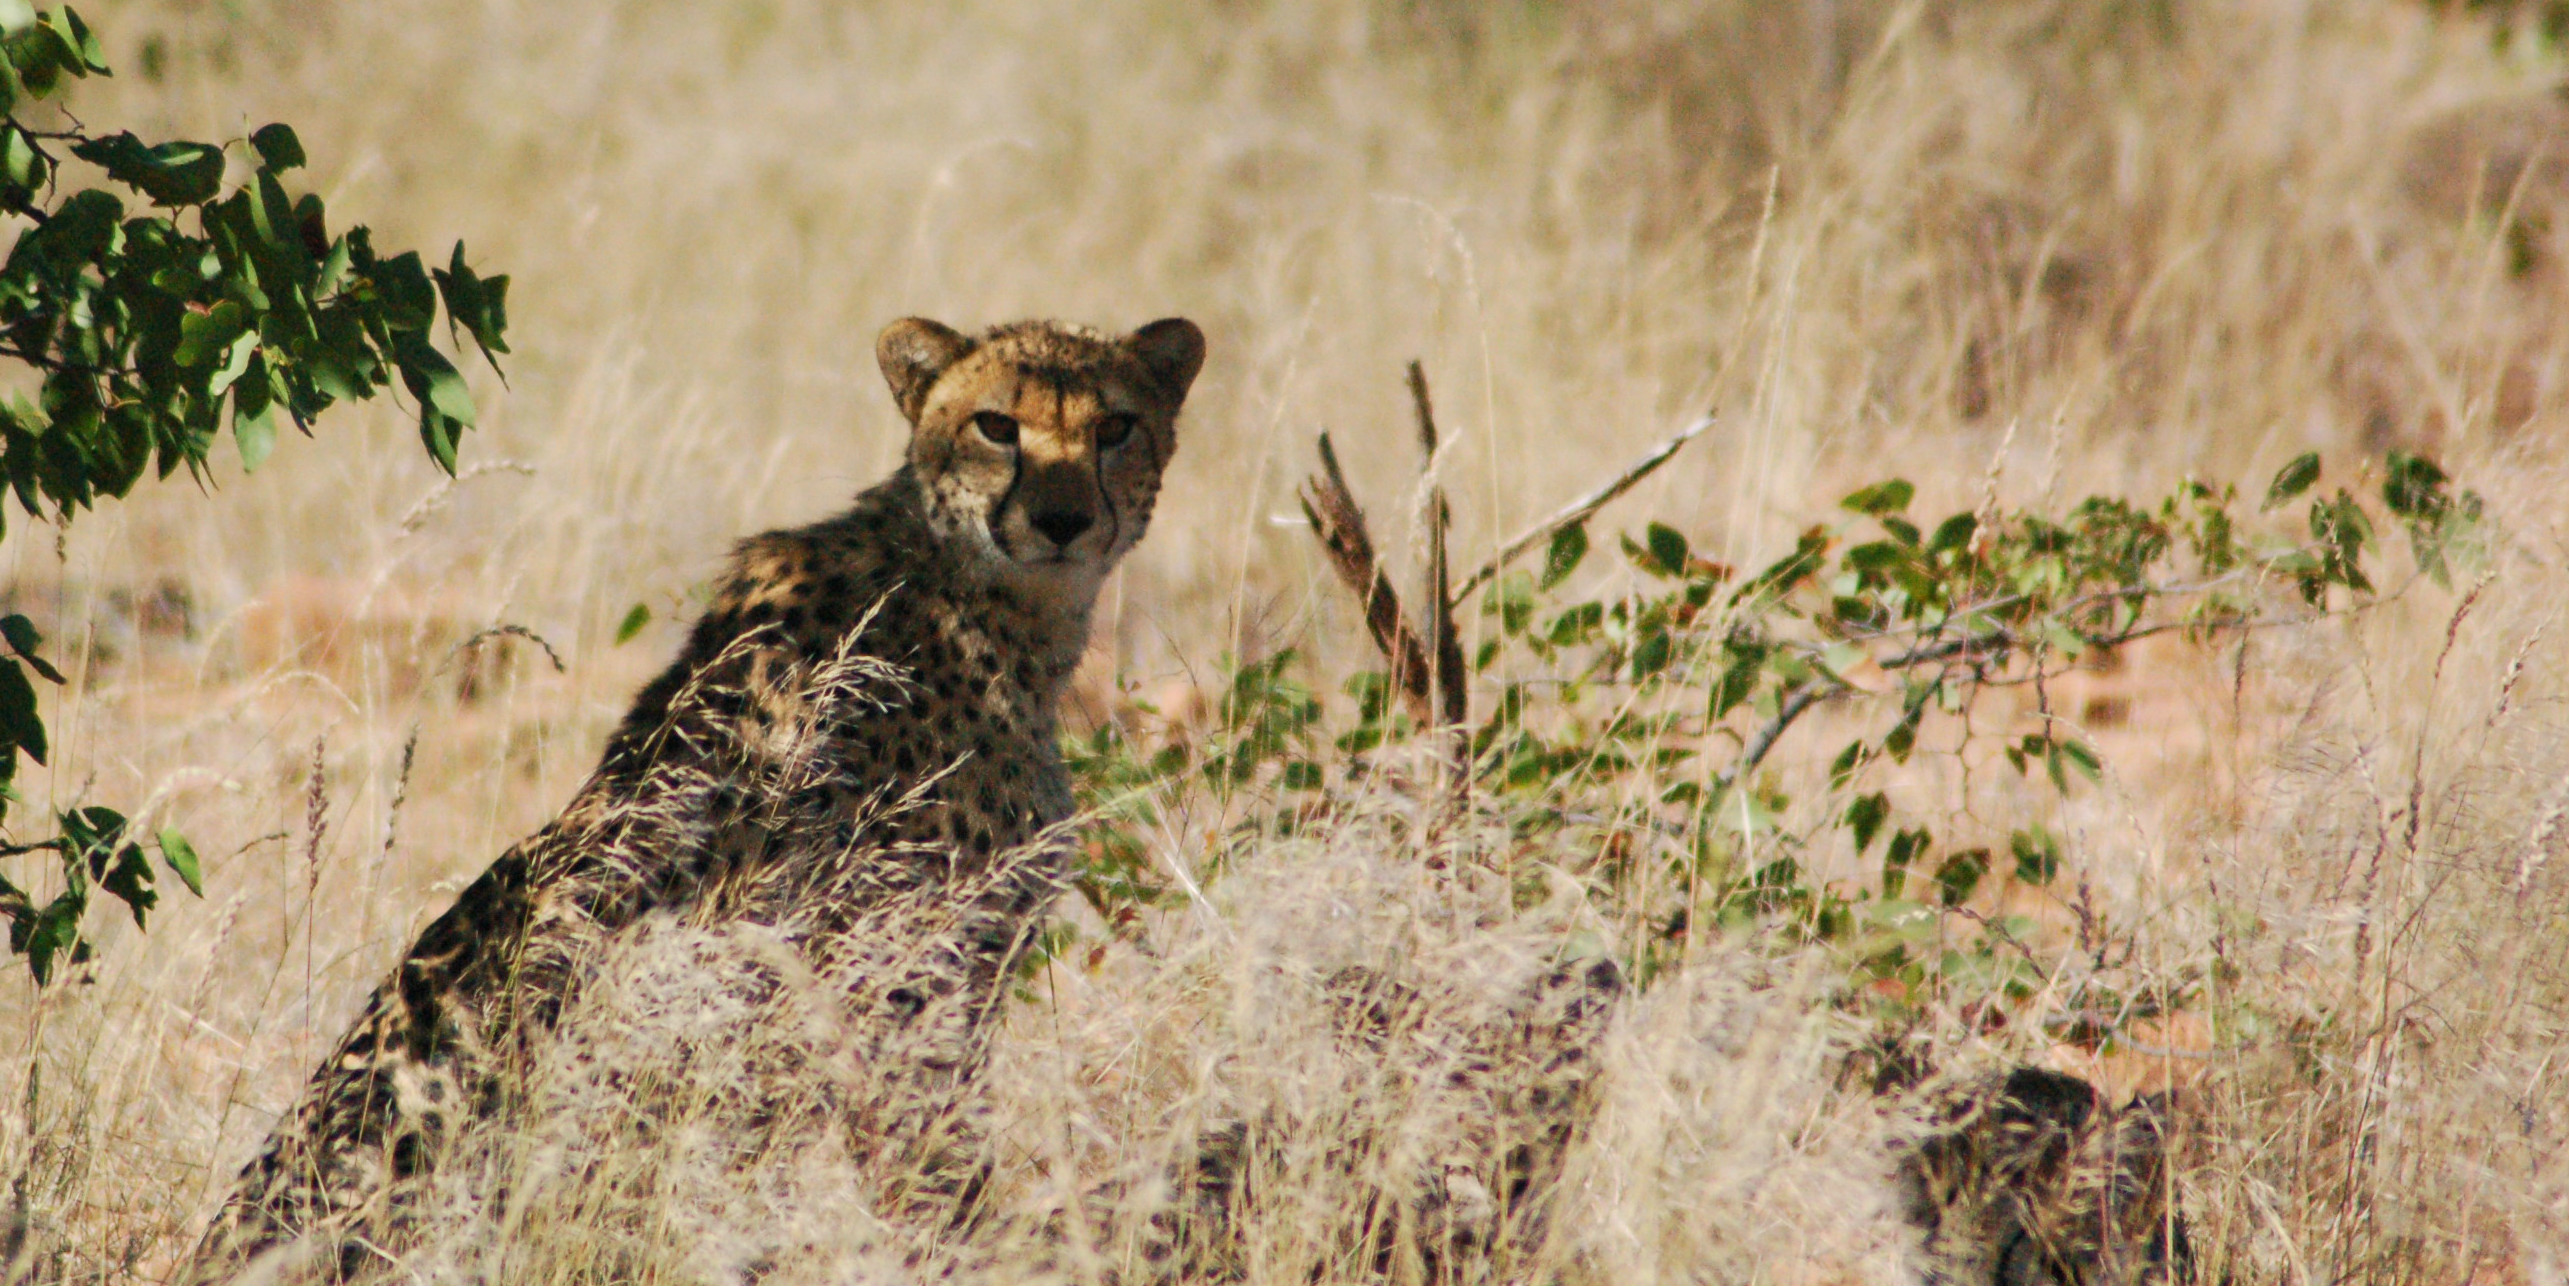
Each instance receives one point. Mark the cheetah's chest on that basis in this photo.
(963, 757)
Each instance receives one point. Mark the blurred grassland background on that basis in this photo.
(2044, 247)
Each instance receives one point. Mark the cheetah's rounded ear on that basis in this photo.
(1173, 350)
(913, 353)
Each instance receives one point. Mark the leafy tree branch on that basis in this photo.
(186, 293)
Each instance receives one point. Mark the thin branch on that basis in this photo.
(1754, 753)
(2004, 637)
(1755, 750)
(1579, 510)
(1339, 524)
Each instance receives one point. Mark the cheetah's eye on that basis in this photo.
(1112, 430)
(995, 428)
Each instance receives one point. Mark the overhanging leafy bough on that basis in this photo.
(144, 327)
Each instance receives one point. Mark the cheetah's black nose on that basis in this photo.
(1063, 525)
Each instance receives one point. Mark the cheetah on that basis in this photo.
(865, 712)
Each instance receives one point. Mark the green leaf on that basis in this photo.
(20, 163)
(1575, 625)
(278, 148)
(41, 53)
(437, 434)
(632, 624)
(79, 40)
(93, 832)
(1954, 533)
(204, 337)
(334, 268)
(2293, 479)
(181, 859)
(1903, 736)
(1959, 875)
(254, 424)
(1667, 547)
(236, 361)
(409, 301)
(171, 174)
(1864, 817)
(1906, 848)
(20, 725)
(2414, 487)
(1652, 654)
(1738, 682)
(1876, 557)
(84, 230)
(51, 932)
(1569, 545)
(1809, 554)
(1842, 769)
(1881, 498)
(434, 380)
(478, 304)
(130, 879)
(1303, 774)
(24, 639)
(2038, 855)
(273, 220)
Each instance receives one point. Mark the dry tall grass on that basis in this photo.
(2043, 246)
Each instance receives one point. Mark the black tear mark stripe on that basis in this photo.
(1105, 495)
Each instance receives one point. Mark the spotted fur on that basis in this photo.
(865, 711)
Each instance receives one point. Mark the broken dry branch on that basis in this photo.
(1579, 510)
(1339, 524)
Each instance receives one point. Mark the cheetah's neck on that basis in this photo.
(1046, 617)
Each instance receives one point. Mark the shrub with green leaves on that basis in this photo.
(155, 294)
(1638, 724)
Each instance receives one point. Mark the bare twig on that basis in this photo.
(1579, 510)
(1765, 738)
(1339, 524)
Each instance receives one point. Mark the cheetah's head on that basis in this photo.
(1040, 445)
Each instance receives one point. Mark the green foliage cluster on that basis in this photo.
(1263, 734)
(185, 292)
(1635, 725)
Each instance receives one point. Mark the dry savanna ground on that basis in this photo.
(2040, 247)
